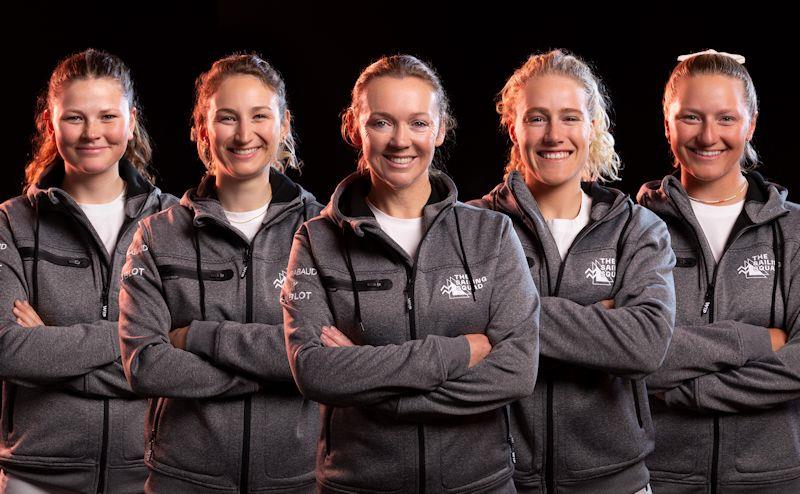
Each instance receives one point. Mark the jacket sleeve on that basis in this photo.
(358, 375)
(253, 349)
(631, 339)
(44, 355)
(759, 384)
(508, 372)
(705, 349)
(152, 365)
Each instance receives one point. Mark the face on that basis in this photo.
(552, 130)
(708, 126)
(400, 128)
(92, 122)
(244, 127)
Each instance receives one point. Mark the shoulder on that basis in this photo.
(169, 223)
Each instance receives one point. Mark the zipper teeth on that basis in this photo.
(715, 457)
(549, 467)
(101, 483)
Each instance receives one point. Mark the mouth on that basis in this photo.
(554, 155)
(707, 154)
(244, 152)
(91, 149)
(398, 160)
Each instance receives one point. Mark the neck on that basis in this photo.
(237, 195)
(731, 187)
(93, 189)
(557, 202)
(400, 203)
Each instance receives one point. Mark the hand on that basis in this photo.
(778, 338)
(479, 348)
(26, 316)
(608, 303)
(332, 337)
(178, 337)
(660, 396)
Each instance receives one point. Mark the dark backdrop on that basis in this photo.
(320, 53)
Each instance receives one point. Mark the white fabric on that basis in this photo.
(107, 220)
(247, 222)
(717, 223)
(406, 232)
(564, 231)
(646, 490)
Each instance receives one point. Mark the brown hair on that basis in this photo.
(208, 83)
(716, 64)
(88, 64)
(603, 162)
(397, 66)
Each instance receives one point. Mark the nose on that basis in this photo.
(552, 135)
(708, 135)
(401, 137)
(244, 131)
(91, 129)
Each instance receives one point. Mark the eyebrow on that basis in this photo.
(384, 114)
(255, 108)
(545, 110)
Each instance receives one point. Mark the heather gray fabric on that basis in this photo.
(401, 411)
(731, 420)
(225, 414)
(593, 360)
(69, 418)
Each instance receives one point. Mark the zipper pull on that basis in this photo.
(409, 304)
(151, 445)
(246, 261)
(513, 451)
(104, 311)
(708, 299)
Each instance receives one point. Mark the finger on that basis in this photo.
(327, 341)
(340, 338)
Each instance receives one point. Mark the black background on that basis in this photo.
(320, 53)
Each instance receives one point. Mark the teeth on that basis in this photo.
(400, 160)
(707, 153)
(554, 156)
(243, 151)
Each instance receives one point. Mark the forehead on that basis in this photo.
(710, 91)
(242, 91)
(406, 95)
(91, 92)
(553, 92)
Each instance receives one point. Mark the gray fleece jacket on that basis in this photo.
(401, 411)
(587, 427)
(730, 420)
(225, 415)
(69, 417)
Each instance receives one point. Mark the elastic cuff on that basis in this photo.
(455, 356)
(202, 338)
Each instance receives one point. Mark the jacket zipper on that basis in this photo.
(248, 401)
(154, 428)
(509, 436)
(410, 275)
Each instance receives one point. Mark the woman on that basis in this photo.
(726, 412)
(604, 268)
(408, 315)
(201, 324)
(70, 422)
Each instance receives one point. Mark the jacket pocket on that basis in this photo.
(9, 394)
(484, 434)
(174, 271)
(27, 253)
(636, 404)
(528, 430)
(285, 436)
(335, 284)
(132, 413)
(682, 438)
(768, 440)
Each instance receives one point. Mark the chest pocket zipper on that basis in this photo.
(334, 284)
(173, 272)
(72, 262)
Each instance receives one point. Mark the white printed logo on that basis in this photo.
(3, 246)
(757, 267)
(279, 281)
(458, 286)
(602, 271)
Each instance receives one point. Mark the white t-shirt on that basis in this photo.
(247, 222)
(564, 231)
(107, 220)
(717, 223)
(406, 232)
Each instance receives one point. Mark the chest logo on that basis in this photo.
(602, 271)
(757, 267)
(3, 246)
(280, 280)
(457, 286)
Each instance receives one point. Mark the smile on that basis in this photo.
(244, 151)
(399, 160)
(554, 155)
(707, 154)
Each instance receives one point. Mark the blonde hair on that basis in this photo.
(716, 64)
(209, 82)
(88, 64)
(603, 162)
(397, 66)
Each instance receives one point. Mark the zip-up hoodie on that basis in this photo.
(730, 421)
(225, 414)
(402, 412)
(587, 428)
(69, 418)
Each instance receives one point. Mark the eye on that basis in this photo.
(226, 119)
(109, 116)
(420, 124)
(534, 119)
(73, 118)
(261, 116)
(727, 119)
(572, 118)
(689, 118)
(379, 124)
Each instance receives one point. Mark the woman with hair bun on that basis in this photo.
(409, 316)
(70, 422)
(603, 267)
(726, 406)
(201, 325)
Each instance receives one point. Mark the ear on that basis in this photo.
(48, 118)
(752, 129)
(512, 134)
(286, 124)
(441, 134)
(132, 123)
(666, 128)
